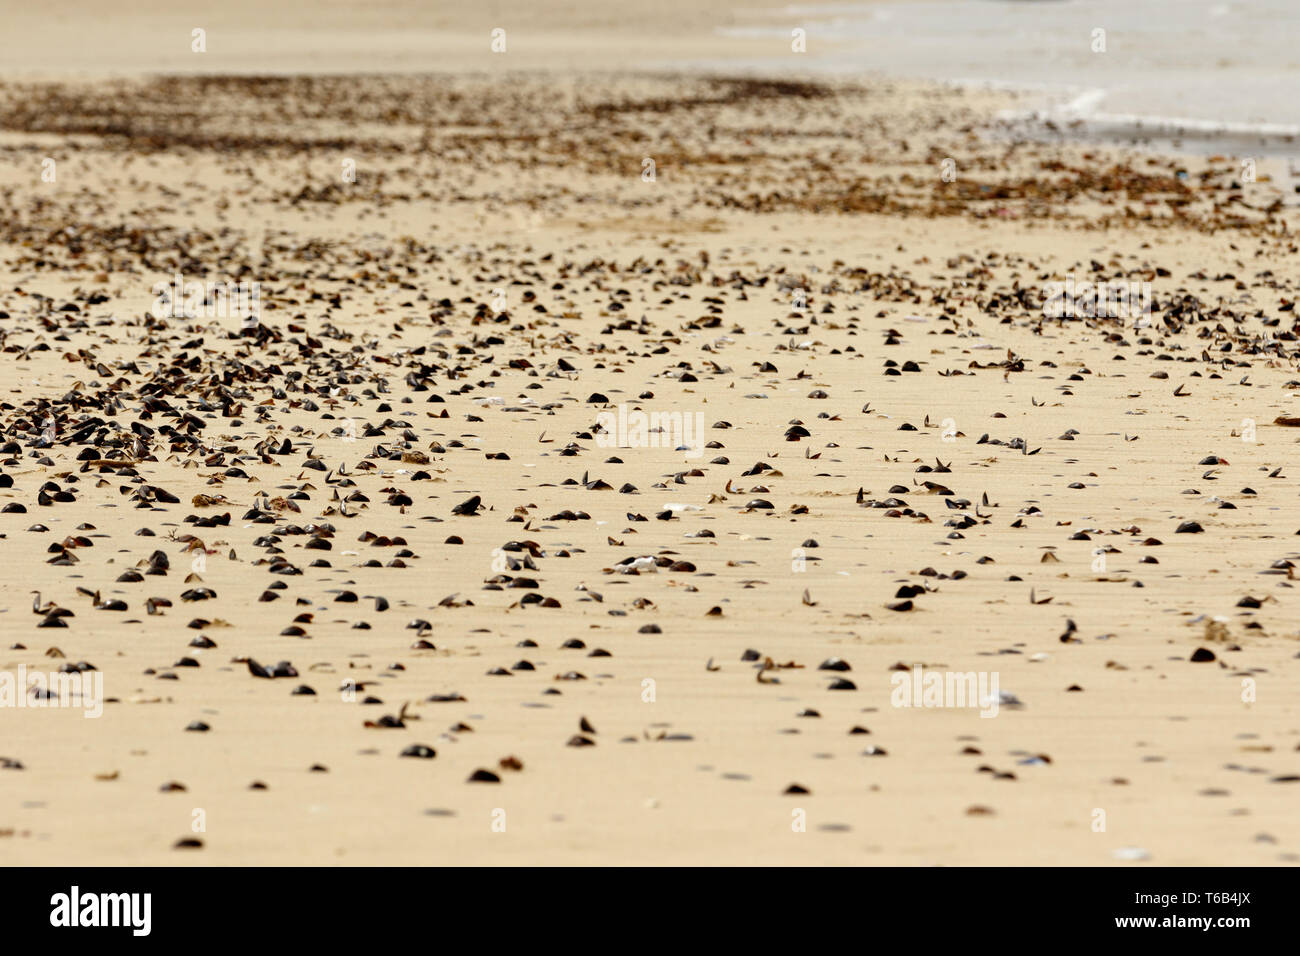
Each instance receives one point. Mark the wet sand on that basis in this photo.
(499, 274)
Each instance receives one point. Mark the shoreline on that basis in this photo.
(1049, 115)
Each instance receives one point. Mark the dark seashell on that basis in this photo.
(468, 507)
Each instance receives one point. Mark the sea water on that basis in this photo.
(1211, 73)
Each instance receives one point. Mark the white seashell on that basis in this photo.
(1130, 853)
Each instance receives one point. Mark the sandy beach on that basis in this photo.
(612, 449)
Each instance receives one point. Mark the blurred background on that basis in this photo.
(1115, 64)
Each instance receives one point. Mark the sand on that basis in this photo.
(670, 296)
